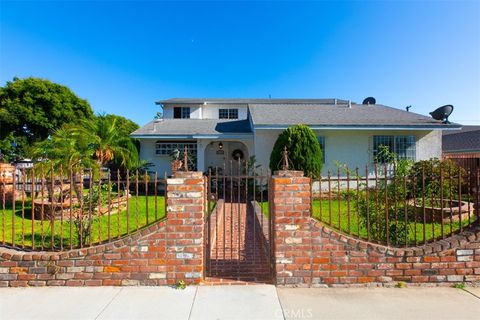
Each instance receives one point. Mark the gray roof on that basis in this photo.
(249, 101)
(329, 115)
(465, 140)
(462, 130)
(193, 127)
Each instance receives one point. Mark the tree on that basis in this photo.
(108, 140)
(33, 108)
(304, 152)
(123, 125)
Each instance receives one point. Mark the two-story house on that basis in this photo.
(218, 132)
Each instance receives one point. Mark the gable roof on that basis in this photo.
(344, 116)
(465, 140)
(192, 127)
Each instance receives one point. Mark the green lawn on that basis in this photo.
(337, 215)
(136, 218)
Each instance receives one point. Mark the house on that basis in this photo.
(217, 132)
(463, 146)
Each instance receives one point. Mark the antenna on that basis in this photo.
(408, 108)
(442, 113)
(369, 100)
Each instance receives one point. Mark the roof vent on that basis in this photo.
(369, 100)
(442, 113)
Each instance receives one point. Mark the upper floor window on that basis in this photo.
(403, 146)
(321, 141)
(181, 112)
(228, 113)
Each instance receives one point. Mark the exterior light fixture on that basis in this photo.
(220, 146)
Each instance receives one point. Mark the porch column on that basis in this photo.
(201, 146)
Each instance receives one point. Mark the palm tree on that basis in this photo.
(65, 154)
(90, 144)
(106, 142)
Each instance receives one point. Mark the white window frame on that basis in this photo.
(229, 113)
(408, 151)
(321, 140)
(184, 112)
(165, 148)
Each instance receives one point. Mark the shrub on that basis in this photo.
(304, 152)
(405, 183)
(441, 179)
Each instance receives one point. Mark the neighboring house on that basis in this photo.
(463, 146)
(219, 131)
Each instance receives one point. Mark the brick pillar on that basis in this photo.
(185, 227)
(291, 196)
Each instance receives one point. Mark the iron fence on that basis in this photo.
(57, 209)
(385, 205)
(238, 223)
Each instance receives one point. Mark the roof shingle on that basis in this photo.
(193, 127)
(339, 115)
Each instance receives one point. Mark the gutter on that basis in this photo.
(193, 136)
(360, 127)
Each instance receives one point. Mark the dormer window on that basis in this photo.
(181, 112)
(228, 113)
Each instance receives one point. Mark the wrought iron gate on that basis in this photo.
(238, 224)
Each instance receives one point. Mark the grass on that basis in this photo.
(336, 214)
(120, 224)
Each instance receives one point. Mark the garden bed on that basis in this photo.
(443, 211)
(58, 210)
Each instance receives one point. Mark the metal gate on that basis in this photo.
(238, 225)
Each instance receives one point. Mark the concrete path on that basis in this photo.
(238, 302)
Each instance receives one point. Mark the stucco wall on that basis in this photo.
(147, 153)
(162, 163)
(211, 111)
(210, 158)
(206, 111)
(354, 148)
(195, 111)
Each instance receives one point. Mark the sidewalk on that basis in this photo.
(238, 302)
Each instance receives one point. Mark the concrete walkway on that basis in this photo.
(238, 302)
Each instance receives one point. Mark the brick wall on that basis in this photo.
(339, 260)
(310, 254)
(185, 227)
(292, 229)
(138, 259)
(161, 254)
(306, 252)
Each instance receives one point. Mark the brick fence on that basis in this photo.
(163, 253)
(306, 252)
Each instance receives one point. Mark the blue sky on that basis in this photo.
(122, 56)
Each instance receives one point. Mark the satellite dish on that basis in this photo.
(369, 100)
(442, 113)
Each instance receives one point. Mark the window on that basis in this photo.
(403, 146)
(181, 112)
(321, 141)
(228, 113)
(166, 148)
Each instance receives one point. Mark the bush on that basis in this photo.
(304, 152)
(441, 178)
(406, 183)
